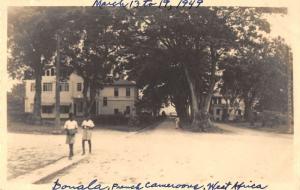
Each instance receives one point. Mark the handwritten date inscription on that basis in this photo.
(147, 3)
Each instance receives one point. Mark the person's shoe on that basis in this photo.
(83, 153)
(70, 158)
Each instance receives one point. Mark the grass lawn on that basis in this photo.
(22, 127)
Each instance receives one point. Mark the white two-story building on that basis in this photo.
(221, 109)
(114, 98)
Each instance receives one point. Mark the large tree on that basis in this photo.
(189, 42)
(31, 44)
(92, 51)
(259, 77)
(197, 45)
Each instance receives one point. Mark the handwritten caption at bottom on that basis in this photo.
(94, 185)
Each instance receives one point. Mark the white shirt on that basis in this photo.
(71, 124)
(88, 123)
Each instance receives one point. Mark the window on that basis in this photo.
(218, 111)
(32, 87)
(116, 92)
(64, 109)
(48, 72)
(127, 91)
(116, 111)
(64, 86)
(127, 111)
(47, 109)
(104, 101)
(215, 100)
(52, 72)
(79, 87)
(47, 86)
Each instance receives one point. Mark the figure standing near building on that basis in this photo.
(71, 127)
(127, 112)
(177, 122)
(87, 126)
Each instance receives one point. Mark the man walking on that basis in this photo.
(71, 127)
(87, 126)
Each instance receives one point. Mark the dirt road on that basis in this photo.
(166, 154)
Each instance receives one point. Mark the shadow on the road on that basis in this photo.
(152, 126)
(215, 129)
(169, 125)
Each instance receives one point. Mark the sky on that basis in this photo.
(280, 26)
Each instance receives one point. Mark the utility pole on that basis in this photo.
(57, 82)
(290, 115)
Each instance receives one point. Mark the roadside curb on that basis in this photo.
(40, 175)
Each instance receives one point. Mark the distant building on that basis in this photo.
(114, 98)
(222, 109)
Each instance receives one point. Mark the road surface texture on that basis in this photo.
(169, 155)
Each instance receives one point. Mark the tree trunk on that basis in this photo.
(57, 84)
(92, 101)
(206, 105)
(247, 109)
(194, 99)
(212, 80)
(84, 92)
(155, 111)
(207, 101)
(37, 118)
(181, 107)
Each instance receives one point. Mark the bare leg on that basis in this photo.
(70, 151)
(83, 147)
(90, 146)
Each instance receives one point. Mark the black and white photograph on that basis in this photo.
(114, 97)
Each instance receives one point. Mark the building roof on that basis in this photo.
(121, 82)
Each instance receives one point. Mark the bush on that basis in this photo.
(17, 116)
(272, 118)
(146, 119)
(134, 121)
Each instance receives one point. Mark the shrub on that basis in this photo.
(272, 118)
(134, 121)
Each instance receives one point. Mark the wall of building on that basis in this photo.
(48, 97)
(219, 108)
(119, 102)
(73, 97)
(120, 105)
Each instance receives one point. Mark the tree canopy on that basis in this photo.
(181, 56)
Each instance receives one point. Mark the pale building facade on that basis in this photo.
(117, 97)
(114, 98)
(221, 109)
